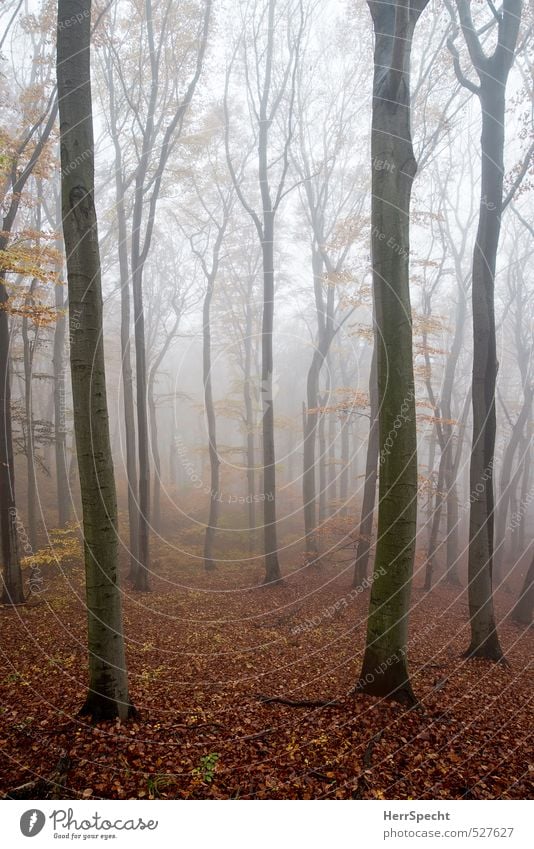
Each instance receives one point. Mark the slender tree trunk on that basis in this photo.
(484, 639)
(28, 355)
(108, 683)
(523, 609)
(385, 669)
(141, 581)
(345, 463)
(322, 460)
(431, 462)
(325, 335)
(332, 468)
(249, 425)
(126, 372)
(518, 529)
(452, 545)
(309, 441)
(365, 530)
(508, 482)
(60, 391)
(433, 543)
(213, 517)
(153, 422)
(272, 566)
(12, 589)
(452, 457)
(492, 71)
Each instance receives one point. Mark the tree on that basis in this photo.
(268, 83)
(492, 71)
(523, 609)
(108, 682)
(214, 201)
(115, 127)
(157, 108)
(385, 670)
(58, 365)
(332, 208)
(363, 545)
(168, 300)
(243, 318)
(520, 307)
(25, 148)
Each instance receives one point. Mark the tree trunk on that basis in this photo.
(272, 566)
(213, 517)
(452, 458)
(58, 365)
(385, 669)
(28, 355)
(518, 526)
(308, 471)
(12, 589)
(484, 639)
(365, 530)
(126, 371)
(331, 462)
(322, 460)
(345, 464)
(433, 543)
(153, 422)
(141, 581)
(508, 482)
(524, 607)
(249, 425)
(108, 683)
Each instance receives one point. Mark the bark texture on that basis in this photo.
(492, 72)
(108, 683)
(385, 669)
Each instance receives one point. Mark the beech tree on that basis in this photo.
(385, 670)
(209, 220)
(332, 200)
(492, 71)
(108, 682)
(270, 90)
(26, 144)
(157, 103)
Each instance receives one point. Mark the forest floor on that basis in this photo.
(205, 650)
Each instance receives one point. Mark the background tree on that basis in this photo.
(24, 148)
(492, 71)
(270, 90)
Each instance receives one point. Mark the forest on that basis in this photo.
(266, 399)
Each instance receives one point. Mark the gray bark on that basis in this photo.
(385, 668)
(108, 682)
(492, 73)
